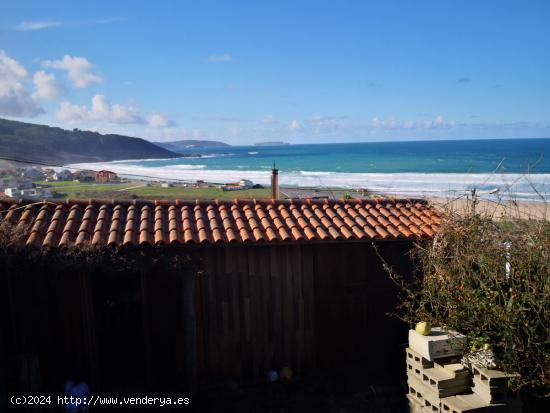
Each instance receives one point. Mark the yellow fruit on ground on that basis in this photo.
(423, 328)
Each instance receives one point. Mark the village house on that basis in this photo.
(14, 186)
(33, 173)
(62, 175)
(105, 176)
(270, 283)
(15, 182)
(246, 183)
(30, 193)
(12, 192)
(201, 184)
(49, 174)
(237, 186)
(84, 176)
(37, 192)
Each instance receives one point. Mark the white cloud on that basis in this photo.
(31, 25)
(418, 124)
(157, 120)
(14, 99)
(101, 110)
(36, 25)
(79, 70)
(324, 123)
(268, 120)
(45, 86)
(72, 113)
(295, 126)
(378, 123)
(220, 58)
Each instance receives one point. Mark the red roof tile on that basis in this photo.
(113, 223)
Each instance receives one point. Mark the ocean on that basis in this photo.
(511, 168)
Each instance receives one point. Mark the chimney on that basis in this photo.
(274, 182)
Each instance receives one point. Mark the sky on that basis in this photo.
(294, 71)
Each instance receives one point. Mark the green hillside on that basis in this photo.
(51, 145)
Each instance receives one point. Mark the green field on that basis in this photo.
(72, 189)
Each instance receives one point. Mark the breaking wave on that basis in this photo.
(518, 186)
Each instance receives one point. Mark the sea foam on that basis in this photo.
(519, 186)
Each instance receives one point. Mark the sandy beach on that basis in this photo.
(498, 210)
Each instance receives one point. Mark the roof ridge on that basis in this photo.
(199, 202)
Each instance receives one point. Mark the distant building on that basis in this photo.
(33, 173)
(63, 175)
(245, 183)
(7, 183)
(12, 192)
(201, 184)
(38, 192)
(231, 187)
(237, 186)
(31, 193)
(84, 176)
(105, 176)
(166, 185)
(44, 192)
(49, 173)
(15, 182)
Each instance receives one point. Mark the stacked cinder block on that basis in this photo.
(438, 382)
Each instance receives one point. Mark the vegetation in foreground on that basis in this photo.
(491, 281)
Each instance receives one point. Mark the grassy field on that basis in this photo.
(72, 189)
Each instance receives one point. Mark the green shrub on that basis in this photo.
(491, 280)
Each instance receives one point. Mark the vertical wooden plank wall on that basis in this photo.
(303, 306)
(256, 314)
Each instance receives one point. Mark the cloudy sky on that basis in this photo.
(302, 72)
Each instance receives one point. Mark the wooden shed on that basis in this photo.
(264, 284)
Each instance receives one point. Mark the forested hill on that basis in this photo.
(47, 144)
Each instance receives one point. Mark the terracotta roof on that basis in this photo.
(113, 223)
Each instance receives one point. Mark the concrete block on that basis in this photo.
(453, 365)
(440, 382)
(490, 394)
(438, 344)
(414, 405)
(415, 358)
(491, 378)
(414, 370)
(429, 398)
(445, 382)
(496, 394)
(470, 403)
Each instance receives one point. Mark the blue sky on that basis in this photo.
(302, 72)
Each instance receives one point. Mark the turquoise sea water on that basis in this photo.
(514, 167)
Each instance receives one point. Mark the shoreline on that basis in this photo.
(497, 209)
(525, 209)
(399, 184)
